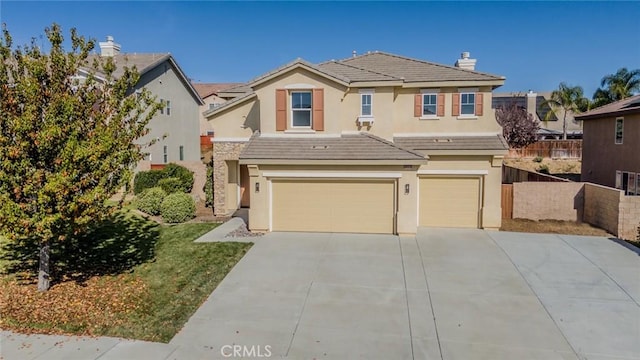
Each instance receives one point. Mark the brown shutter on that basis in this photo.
(455, 105)
(479, 104)
(318, 109)
(440, 111)
(281, 109)
(417, 105)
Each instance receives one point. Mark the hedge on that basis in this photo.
(185, 175)
(177, 208)
(150, 200)
(208, 187)
(148, 179)
(171, 185)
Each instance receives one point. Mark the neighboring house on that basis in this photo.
(211, 100)
(534, 104)
(377, 143)
(611, 151)
(175, 126)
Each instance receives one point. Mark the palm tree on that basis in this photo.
(618, 86)
(568, 98)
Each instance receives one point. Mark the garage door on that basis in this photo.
(449, 202)
(333, 206)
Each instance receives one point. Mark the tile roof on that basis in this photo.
(360, 146)
(354, 73)
(143, 62)
(207, 89)
(426, 143)
(301, 62)
(238, 89)
(413, 70)
(628, 105)
(229, 103)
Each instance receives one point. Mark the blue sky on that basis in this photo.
(536, 45)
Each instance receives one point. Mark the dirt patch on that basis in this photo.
(552, 227)
(555, 166)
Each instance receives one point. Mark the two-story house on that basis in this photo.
(211, 99)
(377, 143)
(176, 126)
(611, 151)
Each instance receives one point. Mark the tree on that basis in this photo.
(569, 99)
(67, 143)
(618, 86)
(518, 127)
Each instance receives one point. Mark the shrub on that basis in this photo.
(537, 159)
(146, 179)
(208, 186)
(185, 175)
(177, 208)
(150, 200)
(171, 185)
(543, 169)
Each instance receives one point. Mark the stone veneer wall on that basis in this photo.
(629, 216)
(543, 200)
(602, 207)
(222, 151)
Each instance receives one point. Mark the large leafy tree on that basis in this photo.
(568, 98)
(618, 86)
(518, 127)
(67, 143)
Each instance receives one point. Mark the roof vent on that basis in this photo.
(319, 147)
(109, 47)
(465, 62)
(442, 140)
(354, 53)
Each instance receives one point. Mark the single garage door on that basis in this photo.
(333, 206)
(449, 201)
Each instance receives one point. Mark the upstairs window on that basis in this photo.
(366, 104)
(168, 107)
(429, 104)
(619, 130)
(468, 104)
(301, 109)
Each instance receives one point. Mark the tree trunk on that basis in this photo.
(564, 125)
(43, 272)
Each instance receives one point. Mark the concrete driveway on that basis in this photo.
(443, 294)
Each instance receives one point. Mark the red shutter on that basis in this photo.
(440, 111)
(478, 104)
(417, 105)
(455, 105)
(281, 109)
(318, 109)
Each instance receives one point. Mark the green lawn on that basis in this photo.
(152, 298)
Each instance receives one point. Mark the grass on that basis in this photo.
(551, 227)
(150, 300)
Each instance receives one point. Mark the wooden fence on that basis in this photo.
(507, 201)
(556, 149)
(511, 175)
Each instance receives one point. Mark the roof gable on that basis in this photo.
(625, 106)
(299, 64)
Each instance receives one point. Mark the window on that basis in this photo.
(162, 107)
(429, 104)
(631, 189)
(168, 105)
(301, 109)
(213, 106)
(165, 154)
(468, 104)
(366, 104)
(181, 152)
(618, 179)
(619, 130)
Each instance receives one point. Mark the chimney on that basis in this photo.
(354, 53)
(532, 104)
(109, 48)
(465, 63)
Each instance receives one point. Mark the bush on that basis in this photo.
(171, 185)
(146, 180)
(185, 175)
(537, 159)
(177, 208)
(208, 187)
(543, 169)
(150, 200)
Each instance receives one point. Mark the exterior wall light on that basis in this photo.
(406, 189)
(257, 187)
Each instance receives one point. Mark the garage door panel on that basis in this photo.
(449, 202)
(333, 206)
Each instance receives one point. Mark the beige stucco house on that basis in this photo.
(377, 143)
(212, 97)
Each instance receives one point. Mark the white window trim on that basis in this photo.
(366, 92)
(429, 92)
(468, 116)
(291, 110)
(615, 132)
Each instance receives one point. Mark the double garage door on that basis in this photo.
(333, 205)
(449, 202)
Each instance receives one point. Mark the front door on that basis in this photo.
(244, 186)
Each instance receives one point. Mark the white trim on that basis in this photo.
(430, 91)
(292, 110)
(270, 187)
(299, 86)
(230, 139)
(300, 130)
(468, 90)
(429, 117)
(369, 93)
(441, 134)
(453, 172)
(467, 117)
(331, 174)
